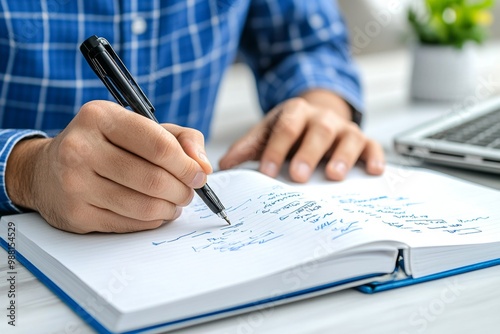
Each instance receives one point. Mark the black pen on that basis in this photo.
(113, 73)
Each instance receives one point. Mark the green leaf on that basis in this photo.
(451, 22)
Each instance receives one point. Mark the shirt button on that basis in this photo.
(139, 25)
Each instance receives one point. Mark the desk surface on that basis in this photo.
(426, 308)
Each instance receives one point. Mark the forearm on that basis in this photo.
(20, 171)
(9, 139)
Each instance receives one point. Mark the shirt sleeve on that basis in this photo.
(295, 45)
(9, 138)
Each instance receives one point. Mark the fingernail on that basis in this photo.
(376, 166)
(303, 171)
(339, 167)
(269, 168)
(198, 181)
(203, 157)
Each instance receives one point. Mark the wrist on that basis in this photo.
(20, 172)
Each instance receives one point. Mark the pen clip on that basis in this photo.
(92, 47)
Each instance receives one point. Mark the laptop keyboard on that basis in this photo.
(482, 131)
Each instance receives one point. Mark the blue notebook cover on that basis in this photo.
(380, 286)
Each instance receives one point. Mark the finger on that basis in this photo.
(247, 148)
(129, 203)
(138, 174)
(102, 220)
(193, 143)
(317, 141)
(373, 156)
(284, 134)
(346, 153)
(145, 138)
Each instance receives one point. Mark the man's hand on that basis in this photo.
(307, 129)
(110, 170)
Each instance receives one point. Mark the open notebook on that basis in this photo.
(285, 243)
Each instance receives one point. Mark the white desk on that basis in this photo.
(417, 309)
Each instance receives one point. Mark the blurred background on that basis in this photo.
(392, 15)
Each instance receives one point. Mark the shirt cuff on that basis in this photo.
(8, 139)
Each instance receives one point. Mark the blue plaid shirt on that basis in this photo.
(177, 50)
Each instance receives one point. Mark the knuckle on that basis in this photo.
(171, 211)
(90, 106)
(154, 182)
(354, 128)
(287, 126)
(289, 120)
(296, 103)
(324, 126)
(72, 150)
(101, 115)
(353, 132)
(163, 146)
(152, 209)
(71, 156)
(91, 111)
(197, 135)
(187, 173)
(187, 198)
(360, 137)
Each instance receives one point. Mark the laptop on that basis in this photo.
(468, 138)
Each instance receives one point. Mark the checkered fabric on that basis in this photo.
(177, 50)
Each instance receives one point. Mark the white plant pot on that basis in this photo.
(443, 73)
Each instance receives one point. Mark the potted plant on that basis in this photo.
(444, 57)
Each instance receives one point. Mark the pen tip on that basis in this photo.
(223, 215)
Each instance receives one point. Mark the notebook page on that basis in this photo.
(273, 228)
(420, 208)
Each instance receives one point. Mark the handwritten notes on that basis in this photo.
(422, 210)
(407, 214)
(266, 213)
(222, 239)
(263, 216)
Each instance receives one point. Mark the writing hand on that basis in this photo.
(110, 170)
(307, 133)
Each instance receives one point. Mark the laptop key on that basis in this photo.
(482, 131)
